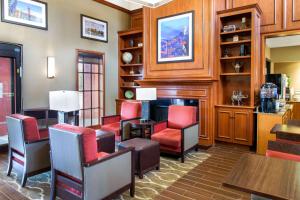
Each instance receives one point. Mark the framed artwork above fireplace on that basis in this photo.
(175, 38)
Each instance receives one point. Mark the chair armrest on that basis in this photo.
(111, 156)
(190, 136)
(189, 126)
(110, 119)
(160, 126)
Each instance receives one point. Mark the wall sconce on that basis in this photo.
(51, 67)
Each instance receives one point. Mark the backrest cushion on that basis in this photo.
(88, 140)
(30, 127)
(130, 110)
(181, 116)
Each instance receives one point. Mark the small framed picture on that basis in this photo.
(235, 38)
(94, 29)
(31, 13)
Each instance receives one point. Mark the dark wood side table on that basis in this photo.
(145, 128)
(266, 177)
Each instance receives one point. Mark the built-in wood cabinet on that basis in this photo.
(277, 15)
(234, 125)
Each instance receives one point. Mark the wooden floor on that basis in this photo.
(205, 181)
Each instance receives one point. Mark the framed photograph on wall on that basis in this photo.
(94, 29)
(31, 13)
(175, 38)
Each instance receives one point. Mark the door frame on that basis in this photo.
(15, 52)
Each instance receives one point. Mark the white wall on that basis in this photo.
(61, 40)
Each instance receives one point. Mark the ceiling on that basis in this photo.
(285, 41)
(136, 4)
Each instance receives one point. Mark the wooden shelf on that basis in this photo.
(132, 65)
(131, 48)
(234, 106)
(237, 31)
(236, 74)
(130, 33)
(234, 43)
(132, 75)
(235, 57)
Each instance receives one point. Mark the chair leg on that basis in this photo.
(10, 163)
(182, 158)
(53, 186)
(196, 148)
(132, 190)
(24, 178)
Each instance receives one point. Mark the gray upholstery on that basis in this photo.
(37, 156)
(65, 152)
(191, 137)
(107, 177)
(15, 134)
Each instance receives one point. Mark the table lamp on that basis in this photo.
(64, 102)
(146, 95)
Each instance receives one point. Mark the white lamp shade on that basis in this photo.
(65, 101)
(146, 94)
(51, 67)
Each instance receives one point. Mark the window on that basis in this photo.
(90, 84)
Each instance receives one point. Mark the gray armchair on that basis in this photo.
(80, 172)
(28, 147)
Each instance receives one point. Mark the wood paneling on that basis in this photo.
(136, 21)
(272, 15)
(201, 66)
(224, 125)
(240, 3)
(292, 14)
(243, 131)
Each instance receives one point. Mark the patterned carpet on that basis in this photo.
(154, 182)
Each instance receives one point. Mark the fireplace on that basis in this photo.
(159, 108)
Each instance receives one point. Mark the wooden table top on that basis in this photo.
(267, 177)
(287, 129)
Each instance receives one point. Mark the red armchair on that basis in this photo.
(28, 146)
(119, 124)
(179, 133)
(79, 171)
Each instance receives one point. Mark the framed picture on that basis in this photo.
(94, 29)
(175, 38)
(30, 13)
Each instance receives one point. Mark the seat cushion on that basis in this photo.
(281, 155)
(44, 133)
(130, 110)
(88, 140)
(181, 116)
(113, 127)
(168, 137)
(102, 155)
(31, 130)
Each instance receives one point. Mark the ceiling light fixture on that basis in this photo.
(150, 3)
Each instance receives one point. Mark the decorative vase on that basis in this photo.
(131, 43)
(127, 57)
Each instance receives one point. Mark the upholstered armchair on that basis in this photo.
(80, 172)
(179, 133)
(28, 147)
(119, 124)
(283, 150)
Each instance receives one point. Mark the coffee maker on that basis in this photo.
(268, 96)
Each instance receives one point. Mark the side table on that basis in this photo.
(145, 128)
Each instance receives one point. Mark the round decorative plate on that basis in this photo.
(129, 94)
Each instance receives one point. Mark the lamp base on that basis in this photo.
(146, 110)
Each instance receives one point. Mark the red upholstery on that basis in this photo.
(160, 126)
(102, 155)
(130, 110)
(111, 119)
(114, 127)
(44, 133)
(181, 116)
(88, 140)
(168, 137)
(31, 130)
(281, 155)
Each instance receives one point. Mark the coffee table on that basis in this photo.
(266, 177)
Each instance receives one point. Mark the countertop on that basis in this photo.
(281, 112)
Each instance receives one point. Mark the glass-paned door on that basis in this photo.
(7, 92)
(90, 72)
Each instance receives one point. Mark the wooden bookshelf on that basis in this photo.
(234, 123)
(130, 41)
